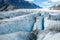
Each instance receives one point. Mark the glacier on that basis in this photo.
(19, 26)
(11, 14)
(19, 23)
(18, 36)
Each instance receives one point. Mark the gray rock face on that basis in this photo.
(16, 4)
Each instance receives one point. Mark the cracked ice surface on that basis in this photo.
(19, 23)
(18, 36)
(49, 35)
(11, 14)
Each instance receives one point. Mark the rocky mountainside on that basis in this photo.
(17, 4)
(55, 7)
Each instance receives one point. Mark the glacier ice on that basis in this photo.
(19, 23)
(11, 14)
(18, 36)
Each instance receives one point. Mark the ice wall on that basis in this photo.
(19, 23)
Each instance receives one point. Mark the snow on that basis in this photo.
(11, 14)
(52, 24)
(48, 35)
(17, 36)
(52, 37)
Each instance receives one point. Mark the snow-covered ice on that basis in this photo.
(48, 35)
(18, 36)
(11, 14)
